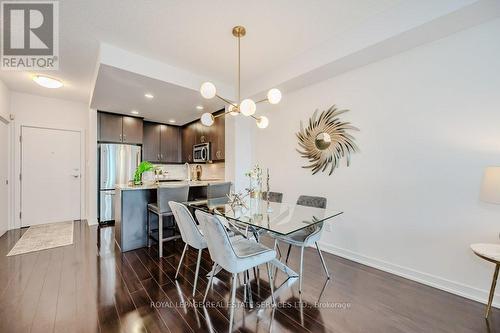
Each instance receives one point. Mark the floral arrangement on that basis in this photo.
(255, 176)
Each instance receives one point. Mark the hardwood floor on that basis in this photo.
(86, 288)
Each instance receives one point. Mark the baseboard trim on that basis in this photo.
(475, 294)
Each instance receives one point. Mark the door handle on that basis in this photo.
(76, 176)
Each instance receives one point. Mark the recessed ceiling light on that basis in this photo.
(148, 95)
(199, 107)
(47, 82)
(171, 121)
(134, 112)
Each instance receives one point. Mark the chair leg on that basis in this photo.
(301, 268)
(288, 253)
(180, 261)
(492, 290)
(277, 248)
(322, 260)
(233, 305)
(149, 229)
(209, 282)
(197, 271)
(271, 283)
(160, 234)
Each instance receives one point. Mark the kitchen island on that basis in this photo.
(131, 209)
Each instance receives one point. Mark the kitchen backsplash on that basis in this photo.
(179, 171)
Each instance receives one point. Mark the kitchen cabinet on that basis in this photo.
(170, 144)
(117, 128)
(188, 140)
(110, 127)
(162, 143)
(218, 139)
(151, 146)
(132, 130)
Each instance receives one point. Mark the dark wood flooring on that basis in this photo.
(86, 288)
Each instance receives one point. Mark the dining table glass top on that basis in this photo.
(279, 218)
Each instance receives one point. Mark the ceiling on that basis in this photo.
(286, 40)
(121, 91)
(190, 34)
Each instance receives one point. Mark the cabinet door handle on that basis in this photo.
(161, 156)
(158, 156)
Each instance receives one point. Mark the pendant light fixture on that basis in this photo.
(247, 106)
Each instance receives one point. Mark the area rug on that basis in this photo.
(43, 237)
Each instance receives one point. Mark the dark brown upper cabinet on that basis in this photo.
(121, 129)
(170, 144)
(151, 146)
(132, 130)
(162, 143)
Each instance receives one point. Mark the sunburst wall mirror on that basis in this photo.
(326, 140)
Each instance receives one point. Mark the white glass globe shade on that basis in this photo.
(208, 90)
(262, 122)
(247, 107)
(231, 110)
(207, 119)
(274, 96)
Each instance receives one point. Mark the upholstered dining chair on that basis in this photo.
(272, 196)
(233, 256)
(162, 209)
(218, 190)
(305, 237)
(191, 235)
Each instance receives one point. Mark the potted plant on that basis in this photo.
(142, 168)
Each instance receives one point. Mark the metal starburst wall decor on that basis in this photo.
(325, 141)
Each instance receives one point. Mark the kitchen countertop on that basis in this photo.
(192, 183)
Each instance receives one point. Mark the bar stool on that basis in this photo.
(217, 191)
(162, 209)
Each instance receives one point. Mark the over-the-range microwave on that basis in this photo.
(201, 152)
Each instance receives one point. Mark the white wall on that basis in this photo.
(4, 157)
(32, 110)
(430, 124)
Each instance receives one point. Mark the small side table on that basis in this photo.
(491, 253)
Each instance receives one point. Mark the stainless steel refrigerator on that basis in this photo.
(117, 164)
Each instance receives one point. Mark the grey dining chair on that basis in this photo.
(305, 237)
(162, 209)
(191, 235)
(272, 196)
(234, 256)
(218, 190)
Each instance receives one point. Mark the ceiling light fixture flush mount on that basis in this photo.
(47, 82)
(247, 106)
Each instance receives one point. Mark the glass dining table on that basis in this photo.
(280, 219)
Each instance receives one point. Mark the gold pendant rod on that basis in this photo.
(239, 71)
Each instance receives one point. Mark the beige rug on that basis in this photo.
(44, 236)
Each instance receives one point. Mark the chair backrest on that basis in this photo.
(311, 201)
(272, 196)
(190, 233)
(174, 193)
(220, 190)
(219, 245)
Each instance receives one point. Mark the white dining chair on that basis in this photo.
(191, 235)
(235, 256)
(305, 237)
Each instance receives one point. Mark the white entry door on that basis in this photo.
(50, 175)
(4, 167)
